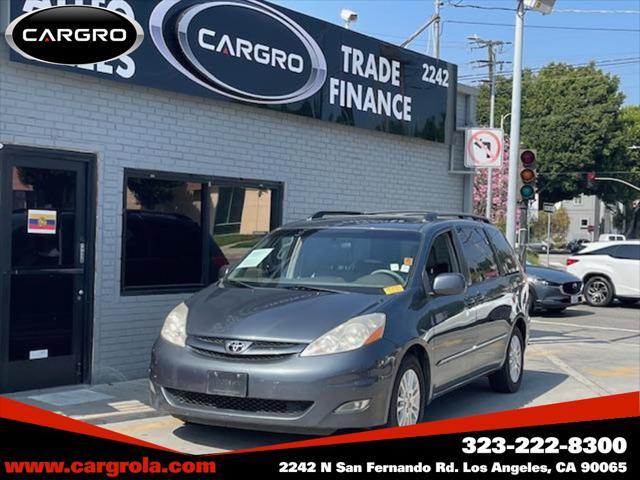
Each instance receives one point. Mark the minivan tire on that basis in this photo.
(409, 364)
(502, 380)
(602, 286)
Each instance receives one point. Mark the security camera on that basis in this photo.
(349, 16)
(543, 6)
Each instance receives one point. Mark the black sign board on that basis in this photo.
(257, 53)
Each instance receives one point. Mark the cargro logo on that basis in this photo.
(242, 49)
(74, 35)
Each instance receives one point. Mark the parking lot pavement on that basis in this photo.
(584, 352)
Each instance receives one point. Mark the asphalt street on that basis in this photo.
(584, 352)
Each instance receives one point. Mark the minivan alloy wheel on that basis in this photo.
(408, 403)
(515, 359)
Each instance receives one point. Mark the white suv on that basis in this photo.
(610, 270)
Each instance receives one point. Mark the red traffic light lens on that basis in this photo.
(527, 158)
(527, 175)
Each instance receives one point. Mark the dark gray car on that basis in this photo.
(346, 321)
(552, 290)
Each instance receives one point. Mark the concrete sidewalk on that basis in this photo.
(96, 404)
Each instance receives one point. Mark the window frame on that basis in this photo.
(501, 267)
(481, 231)
(453, 250)
(208, 182)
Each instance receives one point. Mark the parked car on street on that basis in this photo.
(576, 245)
(552, 290)
(609, 270)
(347, 321)
(611, 237)
(538, 247)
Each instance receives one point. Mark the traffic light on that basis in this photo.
(528, 175)
(591, 178)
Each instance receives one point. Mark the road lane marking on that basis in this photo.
(591, 327)
(573, 373)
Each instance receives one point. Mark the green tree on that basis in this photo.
(559, 226)
(571, 115)
(626, 201)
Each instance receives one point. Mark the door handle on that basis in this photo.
(80, 295)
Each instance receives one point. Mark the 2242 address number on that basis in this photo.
(435, 75)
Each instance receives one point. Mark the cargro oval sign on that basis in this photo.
(241, 49)
(74, 35)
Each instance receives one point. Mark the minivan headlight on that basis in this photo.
(352, 334)
(174, 329)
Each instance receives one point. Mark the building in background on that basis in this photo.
(588, 217)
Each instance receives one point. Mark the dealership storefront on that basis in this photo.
(125, 185)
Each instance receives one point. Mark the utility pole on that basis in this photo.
(436, 28)
(434, 23)
(491, 63)
(514, 143)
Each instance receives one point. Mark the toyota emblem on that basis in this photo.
(236, 346)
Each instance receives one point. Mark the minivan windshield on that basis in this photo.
(336, 259)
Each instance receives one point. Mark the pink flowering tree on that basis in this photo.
(499, 182)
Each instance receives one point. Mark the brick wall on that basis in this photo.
(323, 166)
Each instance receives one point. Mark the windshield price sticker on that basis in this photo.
(255, 258)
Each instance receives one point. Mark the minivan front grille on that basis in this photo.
(241, 358)
(255, 344)
(571, 288)
(258, 350)
(285, 408)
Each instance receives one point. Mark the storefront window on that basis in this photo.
(242, 216)
(179, 232)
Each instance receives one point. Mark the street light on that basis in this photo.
(544, 6)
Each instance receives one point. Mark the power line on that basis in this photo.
(459, 4)
(547, 27)
(601, 63)
(624, 12)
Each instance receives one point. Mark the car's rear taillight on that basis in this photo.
(571, 261)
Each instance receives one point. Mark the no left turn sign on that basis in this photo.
(484, 148)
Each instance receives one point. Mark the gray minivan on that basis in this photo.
(346, 320)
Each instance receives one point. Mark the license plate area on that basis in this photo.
(576, 299)
(227, 383)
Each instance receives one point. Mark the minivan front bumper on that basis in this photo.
(294, 394)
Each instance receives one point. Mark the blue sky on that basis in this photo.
(394, 20)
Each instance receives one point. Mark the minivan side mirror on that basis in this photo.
(223, 271)
(449, 284)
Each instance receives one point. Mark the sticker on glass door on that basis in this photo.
(42, 222)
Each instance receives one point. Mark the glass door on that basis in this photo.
(44, 223)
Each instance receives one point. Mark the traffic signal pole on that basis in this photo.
(516, 99)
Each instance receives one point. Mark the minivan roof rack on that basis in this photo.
(431, 216)
(425, 215)
(333, 213)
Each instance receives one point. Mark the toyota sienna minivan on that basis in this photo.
(346, 320)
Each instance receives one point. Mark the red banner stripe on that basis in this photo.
(625, 405)
(21, 412)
